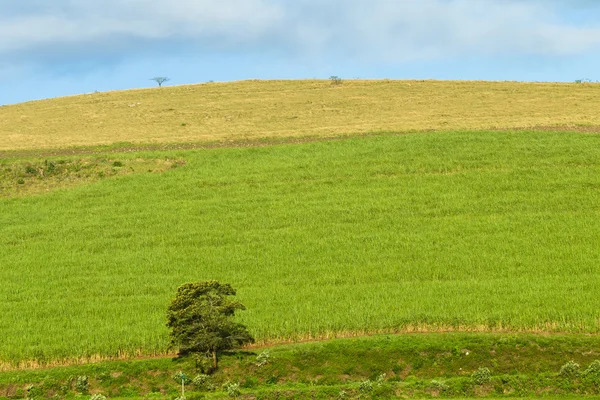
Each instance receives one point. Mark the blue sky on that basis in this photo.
(52, 48)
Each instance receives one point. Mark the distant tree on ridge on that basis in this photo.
(160, 80)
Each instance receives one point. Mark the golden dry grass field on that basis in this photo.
(274, 109)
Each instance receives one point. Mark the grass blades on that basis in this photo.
(437, 231)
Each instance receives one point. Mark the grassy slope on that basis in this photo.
(495, 230)
(253, 109)
(521, 365)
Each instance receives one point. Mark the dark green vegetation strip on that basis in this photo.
(415, 365)
(482, 230)
(35, 176)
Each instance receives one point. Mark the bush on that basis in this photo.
(593, 370)
(180, 376)
(33, 391)
(383, 391)
(366, 386)
(82, 384)
(263, 359)
(481, 376)
(569, 370)
(438, 385)
(232, 389)
(203, 382)
(335, 80)
(50, 166)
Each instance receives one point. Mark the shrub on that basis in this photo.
(481, 376)
(50, 166)
(335, 80)
(263, 359)
(33, 391)
(593, 371)
(203, 382)
(232, 389)
(180, 376)
(383, 392)
(438, 385)
(366, 386)
(569, 370)
(82, 384)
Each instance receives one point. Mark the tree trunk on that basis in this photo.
(215, 361)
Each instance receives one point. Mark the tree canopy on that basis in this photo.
(160, 80)
(201, 320)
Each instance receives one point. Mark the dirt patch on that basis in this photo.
(27, 177)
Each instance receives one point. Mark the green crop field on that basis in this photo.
(489, 230)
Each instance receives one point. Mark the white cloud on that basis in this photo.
(91, 20)
(429, 29)
(381, 30)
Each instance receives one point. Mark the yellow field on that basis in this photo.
(267, 109)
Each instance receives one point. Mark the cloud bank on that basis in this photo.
(394, 31)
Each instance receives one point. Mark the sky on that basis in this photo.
(51, 48)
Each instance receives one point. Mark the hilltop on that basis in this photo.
(221, 112)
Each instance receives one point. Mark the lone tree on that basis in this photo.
(200, 318)
(160, 80)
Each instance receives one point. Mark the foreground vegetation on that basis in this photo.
(416, 365)
(439, 231)
(274, 109)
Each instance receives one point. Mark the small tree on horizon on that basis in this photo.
(160, 80)
(201, 320)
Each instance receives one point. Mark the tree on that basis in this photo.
(335, 80)
(201, 320)
(160, 80)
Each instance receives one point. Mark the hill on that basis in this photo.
(480, 231)
(221, 112)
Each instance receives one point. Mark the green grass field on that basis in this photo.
(449, 230)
